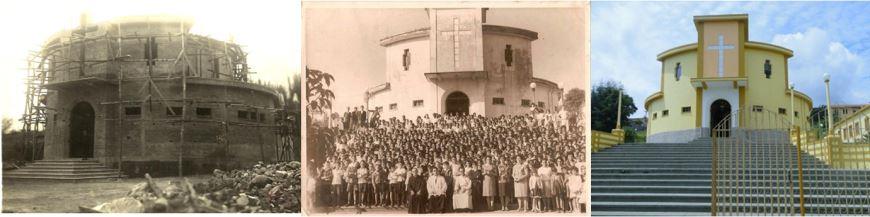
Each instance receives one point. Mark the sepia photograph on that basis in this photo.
(150, 106)
(425, 109)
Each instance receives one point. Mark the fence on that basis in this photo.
(764, 165)
(604, 140)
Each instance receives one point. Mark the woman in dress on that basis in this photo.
(504, 177)
(521, 185)
(462, 191)
(559, 187)
(545, 174)
(575, 186)
(489, 183)
(535, 188)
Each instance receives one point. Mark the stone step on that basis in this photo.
(42, 163)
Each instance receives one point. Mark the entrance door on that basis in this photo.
(719, 117)
(81, 131)
(457, 103)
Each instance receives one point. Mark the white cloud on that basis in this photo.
(816, 52)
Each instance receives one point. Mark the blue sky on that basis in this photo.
(829, 37)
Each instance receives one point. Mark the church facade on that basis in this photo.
(724, 72)
(460, 65)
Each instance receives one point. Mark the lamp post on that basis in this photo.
(791, 88)
(619, 111)
(827, 78)
(534, 97)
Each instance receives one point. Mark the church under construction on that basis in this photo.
(142, 94)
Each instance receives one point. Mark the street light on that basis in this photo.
(791, 88)
(827, 78)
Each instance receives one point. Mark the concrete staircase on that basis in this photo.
(674, 179)
(62, 169)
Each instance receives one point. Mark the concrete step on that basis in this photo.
(849, 177)
(642, 196)
(69, 160)
(54, 177)
(676, 213)
(66, 173)
(707, 165)
(650, 189)
(63, 169)
(650, 206)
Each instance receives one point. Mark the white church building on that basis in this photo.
(460, 64)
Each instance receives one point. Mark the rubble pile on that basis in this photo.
(265, 188)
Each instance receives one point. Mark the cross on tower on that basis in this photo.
(721, 47)
(455, 36)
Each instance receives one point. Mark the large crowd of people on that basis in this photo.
(454, 163)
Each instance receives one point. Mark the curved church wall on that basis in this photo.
(230, 122)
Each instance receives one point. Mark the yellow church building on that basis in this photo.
(702, 83)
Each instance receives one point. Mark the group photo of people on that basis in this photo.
(457, 163)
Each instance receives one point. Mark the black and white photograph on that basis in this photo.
(150, 106)
(462, 108)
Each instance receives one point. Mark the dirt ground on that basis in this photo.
(65, 197)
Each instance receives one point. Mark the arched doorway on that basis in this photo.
(719, 111)
(457, 103)
(81, 131)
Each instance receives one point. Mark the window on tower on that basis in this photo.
(394, 106)
(782, 111)
(150, 51)
(418, 103)
(133, 111)
(173, 111)
(687, 109)
(406, 59)
(203, 112)
(526, 103)
(757, 108)
(678, 71)
(767, 69)
(498, 101)
(665, 113)
(508, 55)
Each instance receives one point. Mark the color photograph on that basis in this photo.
(730, 108)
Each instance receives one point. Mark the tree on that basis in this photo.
(574, 100)
(319, 97)
(7, 125)
(604, 105)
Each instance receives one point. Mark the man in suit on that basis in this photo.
(437, 188)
